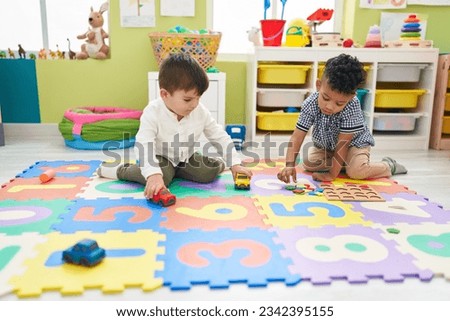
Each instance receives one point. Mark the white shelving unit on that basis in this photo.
(373, 59)
(213, 98)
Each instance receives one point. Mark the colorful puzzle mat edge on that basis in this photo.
(214, 235)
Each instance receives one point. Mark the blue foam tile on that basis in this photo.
(222, 258)
(74, 168)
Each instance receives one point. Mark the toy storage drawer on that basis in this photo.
(446, 125)
(361, 94)
(447, 102)
(282, 74)
(276, 121)
(397, 98)
(321, 69)
(395, 122)
(399, 72)
(280, 97)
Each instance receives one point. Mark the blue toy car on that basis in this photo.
(86, 252)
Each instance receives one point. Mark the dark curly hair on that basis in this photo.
(344, 73)
(180, 71)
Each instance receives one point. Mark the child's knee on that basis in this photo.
(313, 166)
(208, 176)
(356, 173)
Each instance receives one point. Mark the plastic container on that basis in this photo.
(399, 72)
(397, 98)
(272, 32)
(446, 125)
(361, 94)
(295, 37)
(276, 121)
(447, 102)
(321, 68)
(288, 74)
(280, 97)
(395, 122)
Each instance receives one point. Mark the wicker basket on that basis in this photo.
(203, 47)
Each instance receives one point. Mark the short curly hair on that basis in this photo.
(344, 73)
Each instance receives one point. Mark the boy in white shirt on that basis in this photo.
(170, 128)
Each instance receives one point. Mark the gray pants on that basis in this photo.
(198, 168)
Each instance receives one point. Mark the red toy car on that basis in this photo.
(164, 198)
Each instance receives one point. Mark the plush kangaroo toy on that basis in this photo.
(95, 46)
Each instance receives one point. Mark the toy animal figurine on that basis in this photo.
(11, 54)
(22, 52)
(95, 46)
(254, 35)
(52, 54)
(42, 54)
(60, 54)
(72, 54)
(2, 54)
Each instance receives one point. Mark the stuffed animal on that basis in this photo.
(95, 46)
(254, 36)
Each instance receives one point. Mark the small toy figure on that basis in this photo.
(254, 36)
(42, 54)
(72, 54)
(60, 54)
(242, 181)
(347, 43)
(86, 252)
(164, 198)
(47, 175)
(22, 52)
(11, 54)
(237, 134)
(95, 46)
(2, 54)
(373, 39)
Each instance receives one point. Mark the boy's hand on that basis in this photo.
(241, 170)
(322, 177)
(286, 174)
(154, 184)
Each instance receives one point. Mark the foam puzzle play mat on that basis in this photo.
(215, 235)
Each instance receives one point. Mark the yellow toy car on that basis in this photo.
(242, 182)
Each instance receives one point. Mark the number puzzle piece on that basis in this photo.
(14, 251)
(22, 189)
(107, 276)
(237, 213)
(429, 243)
(354, 253)
(34, 215)
(403, 208)
(307, 210)
(223, 257)
(101, 215)
(75, 168)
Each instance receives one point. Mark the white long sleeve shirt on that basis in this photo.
(160, 133)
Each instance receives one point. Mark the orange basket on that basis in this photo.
(202, 47)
